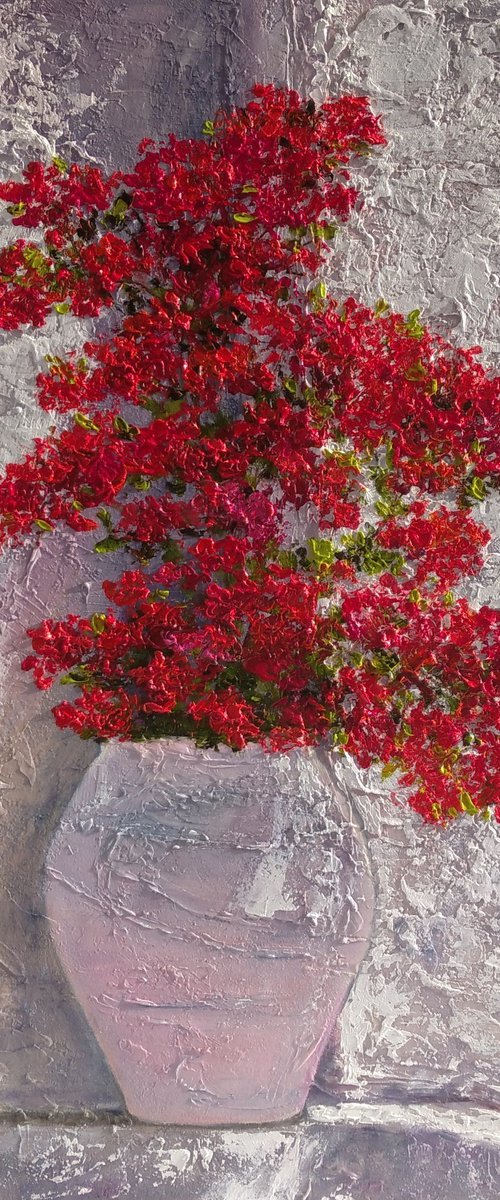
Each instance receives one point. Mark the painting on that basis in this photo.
(249, 880)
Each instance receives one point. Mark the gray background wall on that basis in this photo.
(90, 80)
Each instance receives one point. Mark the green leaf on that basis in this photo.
(162, 408)
(249, 187)
(339, 737)
(60, 163)
(122, 426)
(321, 551)
(318, 294)
(139, 483)
(386, 662)
(467, 804)
(363, 551)
(159, 594)
(323, 233)
(345, 458)
(396, 506)
(412, 324)
(171, 407)
(389, 770)
(383, 508)
(86, 422)
(120, 207)
(208, 129)
(104, 516)
(381, 307)
(98, 622)
(357, 659)
(16, 210)
(259, 469)
(77, 675)
(287, 558)
(35, 260)
(362, 148)
(62, 308)
(108, 544)
(243, 218)
(476, 487)
(416, 371)
(172, 551)
(47, 528)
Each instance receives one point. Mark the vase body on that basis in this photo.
(211, 911)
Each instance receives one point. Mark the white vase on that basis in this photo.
(211, 911)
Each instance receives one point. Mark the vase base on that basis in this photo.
(215, 1119)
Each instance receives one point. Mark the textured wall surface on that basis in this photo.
(88, 80)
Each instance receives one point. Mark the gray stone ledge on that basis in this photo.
(344, 1152)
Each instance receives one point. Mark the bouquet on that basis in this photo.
(290, 477)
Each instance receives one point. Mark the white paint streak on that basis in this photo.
(470, 1124)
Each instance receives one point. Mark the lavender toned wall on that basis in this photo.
(90, 80)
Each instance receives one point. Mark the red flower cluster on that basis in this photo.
(309, 466)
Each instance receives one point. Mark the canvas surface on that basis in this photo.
(422, 1020)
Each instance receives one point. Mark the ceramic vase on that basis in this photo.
(211, 910)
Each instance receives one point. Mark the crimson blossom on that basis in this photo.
(291, 477)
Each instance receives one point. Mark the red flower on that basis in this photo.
(228, 715)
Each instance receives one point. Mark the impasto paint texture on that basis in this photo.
(414, 1057)
(311, 1159)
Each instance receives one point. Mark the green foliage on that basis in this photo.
(108, 544)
